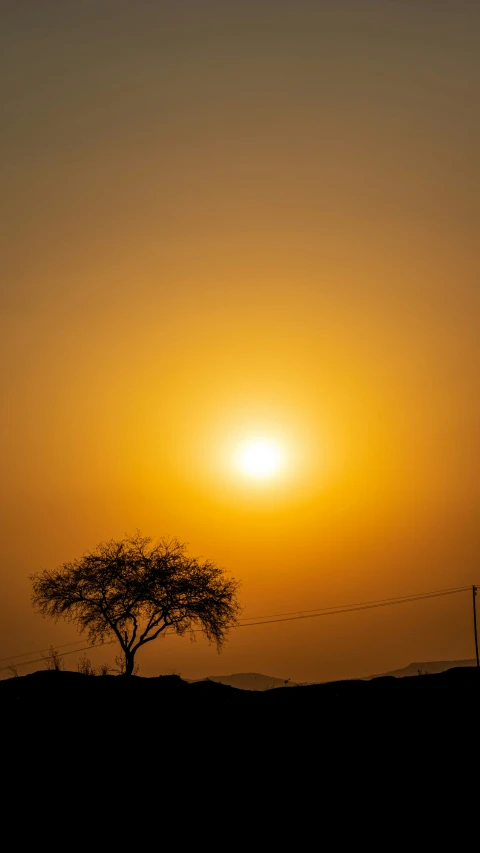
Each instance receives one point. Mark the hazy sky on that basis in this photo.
(244, 217)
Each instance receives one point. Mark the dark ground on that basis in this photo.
(72, 689)
(337, 739)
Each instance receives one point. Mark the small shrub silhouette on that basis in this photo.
(85, 667)
(53, 660)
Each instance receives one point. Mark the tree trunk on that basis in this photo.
(129, 663)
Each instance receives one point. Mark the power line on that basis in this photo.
(345, 607)
(354, 608)
(62, 655)
(39, 651)
(270, 619)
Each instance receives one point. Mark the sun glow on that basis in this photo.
(260, 458)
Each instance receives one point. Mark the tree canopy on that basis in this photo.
(134, 590)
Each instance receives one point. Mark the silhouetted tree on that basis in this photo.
(134, 590)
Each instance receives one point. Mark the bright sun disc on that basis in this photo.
(260, 457)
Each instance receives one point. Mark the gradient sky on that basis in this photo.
(222, 218)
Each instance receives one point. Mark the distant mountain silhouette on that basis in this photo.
(258, 681)
(251, 681)
(426, 668)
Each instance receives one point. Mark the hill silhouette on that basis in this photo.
(74, 692)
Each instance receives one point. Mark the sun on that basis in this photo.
(260, 458)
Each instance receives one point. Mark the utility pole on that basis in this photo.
(474, 593)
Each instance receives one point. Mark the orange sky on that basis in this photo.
(222, 218)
